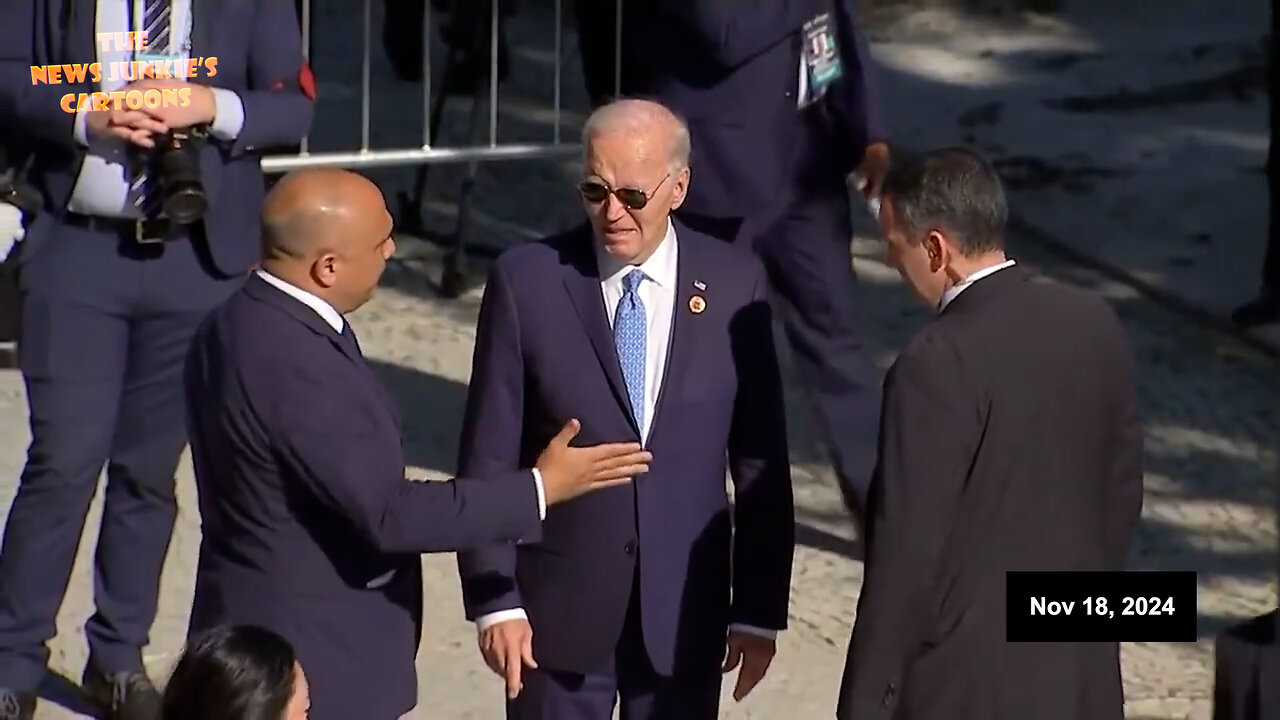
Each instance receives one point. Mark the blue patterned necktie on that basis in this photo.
(629, 340)
(155, 21)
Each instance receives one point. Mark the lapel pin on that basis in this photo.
(700, 285)
(697, 304)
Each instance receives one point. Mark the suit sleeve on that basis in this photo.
(35, 108)
(857, 58)
(330, 438)
(734, 31)
(1125, 508)
(490, 442)
(764, 515)
(279, 101)
(928, 434)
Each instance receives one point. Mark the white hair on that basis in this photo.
(634, 116)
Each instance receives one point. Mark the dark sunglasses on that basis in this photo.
(596, 192)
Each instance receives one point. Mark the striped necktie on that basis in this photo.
(145, 186)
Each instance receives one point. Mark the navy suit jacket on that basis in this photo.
(731, 69)
(259, 49)
(545, 353)
(309, 525)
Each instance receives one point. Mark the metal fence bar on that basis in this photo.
(366, 77)
(494, 12)
(418, 156)
(306, 55)
(429, 152)
(617, 49)
(559, 64)
(426, 74)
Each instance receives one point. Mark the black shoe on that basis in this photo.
(16, 705)
(123, 696)
(1263, 310)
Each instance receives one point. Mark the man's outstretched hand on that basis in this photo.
(568, 472)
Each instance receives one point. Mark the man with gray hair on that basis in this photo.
(1009, 440)
(645, 330)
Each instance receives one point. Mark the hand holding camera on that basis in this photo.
(140, 127)
(172, 136)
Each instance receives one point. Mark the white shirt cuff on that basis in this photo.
(228, 115)
(761, 632)
(542, 494)
(484, 622)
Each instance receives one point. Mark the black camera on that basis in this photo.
(15, 191)
(176, 164)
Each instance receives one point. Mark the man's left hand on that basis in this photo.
(754, 653)
(874, 168)
(200, 111)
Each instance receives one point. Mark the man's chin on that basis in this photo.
(620, 244)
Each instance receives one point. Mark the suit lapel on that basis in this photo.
(583, 285)
(684, 323)
(82, 19)
(204, 15)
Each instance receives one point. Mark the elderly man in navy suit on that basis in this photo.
(781, 106)
(310, 527)
(114, 279)
(645, 330)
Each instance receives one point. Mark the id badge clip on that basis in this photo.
(821, 58)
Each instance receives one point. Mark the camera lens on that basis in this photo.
(185, 204)
(179, 165)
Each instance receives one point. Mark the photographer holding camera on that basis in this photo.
(149, 218)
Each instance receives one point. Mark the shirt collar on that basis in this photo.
(660, 268)
(322, 308)
(955, 290)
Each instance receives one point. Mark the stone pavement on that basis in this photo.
(1131, 137)
(1210, 407)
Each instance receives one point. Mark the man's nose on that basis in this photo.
(613, 208)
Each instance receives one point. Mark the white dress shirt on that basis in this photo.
(103, 187)
(658, 293)
(326, 311)
(954, 291)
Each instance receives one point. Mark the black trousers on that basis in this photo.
(105, 330)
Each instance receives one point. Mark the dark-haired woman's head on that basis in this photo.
(237, 672)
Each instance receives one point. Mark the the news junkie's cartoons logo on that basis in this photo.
(144, 68)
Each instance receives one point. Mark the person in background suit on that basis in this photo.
(310, 528)
(113, 285)
(772, 149)
(646, 330)
(1010, 440)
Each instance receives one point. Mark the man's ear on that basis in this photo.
(325, 270)
(680, 188)
(937, 250)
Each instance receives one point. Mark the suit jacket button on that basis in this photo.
(630, 547)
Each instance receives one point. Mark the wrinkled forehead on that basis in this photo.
(627, 155)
